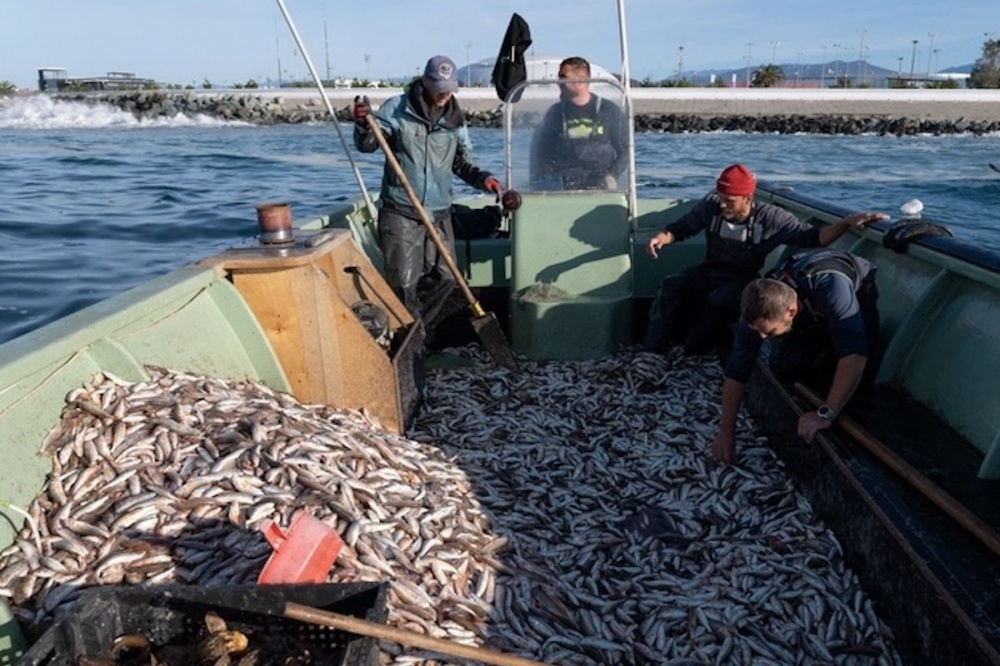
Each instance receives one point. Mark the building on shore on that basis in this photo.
(539, 67)
(56, 79)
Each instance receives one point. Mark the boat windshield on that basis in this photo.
(559, 140)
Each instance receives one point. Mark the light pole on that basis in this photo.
(798, 67)
(861, 58)
(774, 52)
(368, 70)
(468, 65)
(864, 62)
(913, 58)
(822, 70)
(680, 61)
(277, 52)
(749, 46)
(930, 50)
(836, 64)
(899, 68)
(936, 52)
(326, 45)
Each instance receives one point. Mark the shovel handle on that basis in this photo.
(390, 157)
(355, 625)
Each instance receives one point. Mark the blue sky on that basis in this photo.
(226, 41)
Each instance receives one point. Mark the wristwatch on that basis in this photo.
(826, 412)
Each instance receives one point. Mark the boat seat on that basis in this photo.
(571, 267)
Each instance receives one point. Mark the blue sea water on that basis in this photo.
(95, 202)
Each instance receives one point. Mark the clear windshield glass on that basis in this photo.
(560, 140)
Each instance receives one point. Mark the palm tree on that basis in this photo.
(767, 76)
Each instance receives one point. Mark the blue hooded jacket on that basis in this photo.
(428, 152)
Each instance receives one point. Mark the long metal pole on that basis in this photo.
(627, 86)
(329, 107)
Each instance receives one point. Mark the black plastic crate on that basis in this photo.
(175, 615)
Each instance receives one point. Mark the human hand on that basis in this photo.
(491, 184)
(811, 423)
(362, 109)
(724, 448)
(655, 243)
(861, 219)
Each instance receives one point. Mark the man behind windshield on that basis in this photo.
(582, 143)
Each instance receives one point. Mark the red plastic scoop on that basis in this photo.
(304, 554)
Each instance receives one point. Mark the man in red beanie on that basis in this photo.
(736, 180)
(695, 307)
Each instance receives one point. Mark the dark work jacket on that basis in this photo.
(831, 287)
(579, 146)
(739, 250)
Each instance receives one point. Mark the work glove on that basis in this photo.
(491, 184)
(362, 107)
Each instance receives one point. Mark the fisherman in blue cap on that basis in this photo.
(427, 133)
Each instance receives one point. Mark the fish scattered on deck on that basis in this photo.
(569, 513)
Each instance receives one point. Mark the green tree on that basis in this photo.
(7, 88)
(767, 76)
(206, 84)
(986, 72)
(946, 84)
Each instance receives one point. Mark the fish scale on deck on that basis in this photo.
(568, 513)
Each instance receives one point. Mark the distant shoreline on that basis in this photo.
(918, 104)
(675, 110)
(981, 105)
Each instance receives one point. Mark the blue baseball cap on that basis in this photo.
(441, 75)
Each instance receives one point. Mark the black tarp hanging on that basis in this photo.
(510, 68)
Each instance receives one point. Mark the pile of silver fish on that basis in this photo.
(569, 513)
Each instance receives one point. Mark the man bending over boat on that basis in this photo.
(426, 129)
(582, 142)
(820, 308)
(695, 307)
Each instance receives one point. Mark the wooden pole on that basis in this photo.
(955, 509)
(435, 237)
(485, 323)
(355, 625)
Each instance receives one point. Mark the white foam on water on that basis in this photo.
(40, 112)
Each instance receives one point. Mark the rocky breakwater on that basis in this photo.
(276, 108)
(254, 109)
(805, 124)
(262, 109)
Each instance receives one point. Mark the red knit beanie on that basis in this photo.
(736, 181)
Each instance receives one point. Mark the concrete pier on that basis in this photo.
(773, 110)
(915, 104)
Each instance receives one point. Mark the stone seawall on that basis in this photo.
(270, 109)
